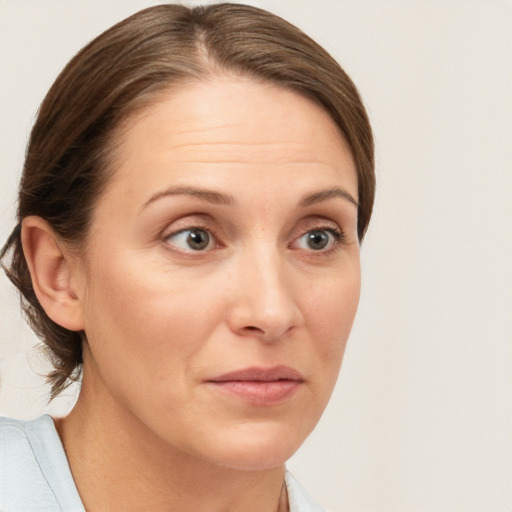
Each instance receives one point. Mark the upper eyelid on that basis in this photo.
(189, 221)
(320, 218)
(317, 222)
(169, 230)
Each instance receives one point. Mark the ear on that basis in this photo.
(54, 273)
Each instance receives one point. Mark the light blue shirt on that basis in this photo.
(35, 474)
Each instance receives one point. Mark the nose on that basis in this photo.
(264, 299)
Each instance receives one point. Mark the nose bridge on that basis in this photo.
(265, 303)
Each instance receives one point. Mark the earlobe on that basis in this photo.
(52, 272)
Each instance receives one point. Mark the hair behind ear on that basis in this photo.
(44, 270)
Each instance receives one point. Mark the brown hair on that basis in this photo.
(71, 143)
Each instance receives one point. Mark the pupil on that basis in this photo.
(318, 240)
(198, 239)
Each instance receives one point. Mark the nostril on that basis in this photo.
(252, 329)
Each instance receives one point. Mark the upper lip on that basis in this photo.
(259, 374)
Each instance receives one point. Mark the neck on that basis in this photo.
(119, 464)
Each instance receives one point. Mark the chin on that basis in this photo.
(257, 447)
(259, 459)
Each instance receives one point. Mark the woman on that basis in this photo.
(196, 187)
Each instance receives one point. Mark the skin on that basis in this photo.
(162, 319)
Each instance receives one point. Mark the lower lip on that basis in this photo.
(260, 392)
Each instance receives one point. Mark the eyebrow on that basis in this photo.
(324, 195)
(218, 198)
(208, 196)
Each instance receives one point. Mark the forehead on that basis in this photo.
(236, 123)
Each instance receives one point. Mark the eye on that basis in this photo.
(319, 240)
(192, 239)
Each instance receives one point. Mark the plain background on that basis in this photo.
(421, 419)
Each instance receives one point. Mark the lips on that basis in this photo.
(259, 386)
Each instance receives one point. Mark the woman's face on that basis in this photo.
(222, 273)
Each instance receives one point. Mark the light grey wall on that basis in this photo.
(422, 415)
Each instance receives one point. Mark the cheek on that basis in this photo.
(146, 316)
(331, 312)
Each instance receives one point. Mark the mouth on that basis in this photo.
(259, 386)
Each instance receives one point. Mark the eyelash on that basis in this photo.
(336, 233)
(213, 239)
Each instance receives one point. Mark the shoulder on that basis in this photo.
(298, 498)
(22, 441)
(33, 466)
(14, 429)
(18, 443)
